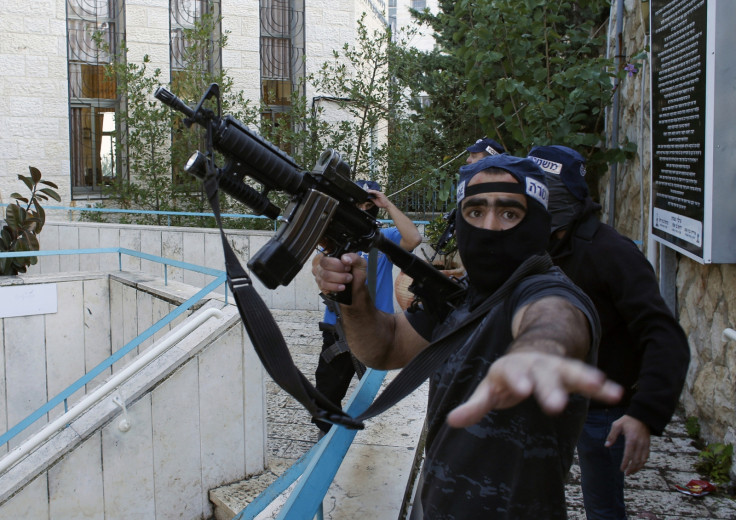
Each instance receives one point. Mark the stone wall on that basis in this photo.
(706, 300)
(34, 97)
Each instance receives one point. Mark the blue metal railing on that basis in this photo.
(319, 465)
(170, 214)
(317, 468)
(220, 278)
(167, 214)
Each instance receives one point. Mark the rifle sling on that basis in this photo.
(271, 348)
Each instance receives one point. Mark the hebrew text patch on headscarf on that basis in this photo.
(368, 185)
(486, 145)
(564, 162)
(530, 176)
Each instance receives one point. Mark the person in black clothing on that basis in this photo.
(642, 347)
(504, 408)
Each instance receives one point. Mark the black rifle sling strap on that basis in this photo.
(273, 352)
(267, 339)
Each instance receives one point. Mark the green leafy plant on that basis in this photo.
(24, 220)
(357, 81)
(692, 427)
(715, 462)
(445, 255)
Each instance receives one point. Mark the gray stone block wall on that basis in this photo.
(706, 294)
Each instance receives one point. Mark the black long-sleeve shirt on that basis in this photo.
(642, 345)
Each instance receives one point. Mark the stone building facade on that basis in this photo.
(705, 293)
(34, 87)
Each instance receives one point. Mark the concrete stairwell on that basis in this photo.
(376, 474)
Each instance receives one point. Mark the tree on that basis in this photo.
(153, 140)
(523, 72)
(358, 82)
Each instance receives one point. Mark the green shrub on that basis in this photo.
(23, 222)
(692, 427)
(715, 462)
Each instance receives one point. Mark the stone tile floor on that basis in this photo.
(649, 494)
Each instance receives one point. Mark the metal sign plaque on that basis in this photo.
(679, 38)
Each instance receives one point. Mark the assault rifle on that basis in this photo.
(322, 209)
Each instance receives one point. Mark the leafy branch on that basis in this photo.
(24, 222)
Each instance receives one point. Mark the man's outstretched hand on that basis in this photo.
(550, 378)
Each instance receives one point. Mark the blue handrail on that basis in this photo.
(62, 396)
(174, 213)
(319, 465)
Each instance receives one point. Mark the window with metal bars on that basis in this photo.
(187, 51)
(93, 37)
(282, 52)
(195, 57)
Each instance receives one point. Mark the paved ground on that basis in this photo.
(650, 494)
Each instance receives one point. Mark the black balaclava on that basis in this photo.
(565, 170)
(564, 206)
(490, 257)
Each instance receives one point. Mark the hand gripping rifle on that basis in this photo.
(322, 211)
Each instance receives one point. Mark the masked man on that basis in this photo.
(492, 450)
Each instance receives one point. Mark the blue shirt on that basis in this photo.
(384, 278)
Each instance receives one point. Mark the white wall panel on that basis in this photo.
(75, 484)
(255, 405)
(31, 502)
(127, 458)
(176, 444)
(68, 239)
(25, 366)
(65, 343)
(194, 253)
(129, 315)
(109, 237)
(49, 241)
(144, 308)
(96, 314)
(160, 310)
(89, 238)
(151, 244)
(222, 426)
(130, 238)
(172, 248)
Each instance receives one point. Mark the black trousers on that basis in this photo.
(333, 379)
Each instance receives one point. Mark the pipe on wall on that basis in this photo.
(615, 110)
